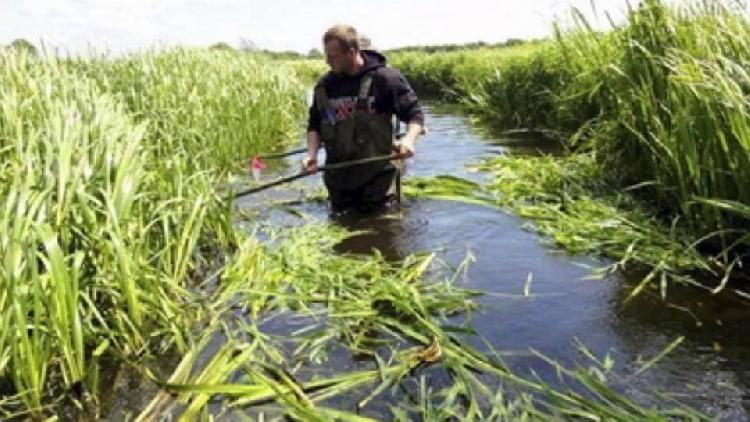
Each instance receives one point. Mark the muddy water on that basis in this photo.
(539, 298)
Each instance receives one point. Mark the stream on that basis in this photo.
(564, 306)
(536, 296)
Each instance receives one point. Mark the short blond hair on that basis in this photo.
(346, 36)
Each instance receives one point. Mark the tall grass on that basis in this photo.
(232, 102)
(109, 172)
(509, 87)
(660, 100)
(673, 98)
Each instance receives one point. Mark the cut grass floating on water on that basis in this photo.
(448, 188)
(564, 198)
(297, 273)
(566, 201)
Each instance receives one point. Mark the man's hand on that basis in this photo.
(405, 148)
(310, 164)
(405, 145)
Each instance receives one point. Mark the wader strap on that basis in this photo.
(364, 92)
(398, 185)
(324, 106)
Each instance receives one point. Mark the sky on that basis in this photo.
(76, 26)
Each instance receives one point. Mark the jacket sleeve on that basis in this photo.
(313, 114)
(406, 104)
(313, 117)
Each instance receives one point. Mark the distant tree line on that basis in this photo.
(247, 46)
(20, 44)
(510, 42)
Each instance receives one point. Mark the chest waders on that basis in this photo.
(363, 134)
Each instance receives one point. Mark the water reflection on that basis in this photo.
(710, 368)
(381, 232)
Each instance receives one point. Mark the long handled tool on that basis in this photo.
(282, 154)
(272, 155)
(336, 166)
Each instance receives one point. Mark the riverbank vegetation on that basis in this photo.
(117, 251)
(109, 171)
(658, 104)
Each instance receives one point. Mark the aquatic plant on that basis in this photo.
(298, 330)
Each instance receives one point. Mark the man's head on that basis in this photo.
(341, 45)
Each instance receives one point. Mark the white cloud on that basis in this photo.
(277, 24)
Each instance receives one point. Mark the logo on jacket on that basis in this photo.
(344, 107)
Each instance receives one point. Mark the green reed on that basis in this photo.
(660, 101)
(109, 175)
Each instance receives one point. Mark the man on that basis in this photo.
(351, 116)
